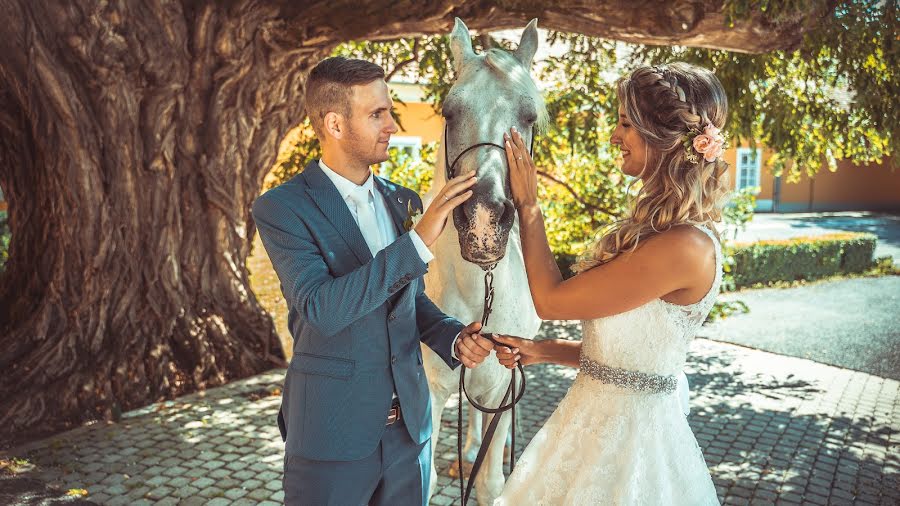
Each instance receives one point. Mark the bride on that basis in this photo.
(619, 436)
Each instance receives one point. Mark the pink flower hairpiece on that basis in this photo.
(710, 143)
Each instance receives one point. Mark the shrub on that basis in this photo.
(801, 258)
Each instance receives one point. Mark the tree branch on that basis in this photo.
(400, 65)
(575, 195)
(487, 42)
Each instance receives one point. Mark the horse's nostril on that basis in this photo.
(509, 211)
(468, 209)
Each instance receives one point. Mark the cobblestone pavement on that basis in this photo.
(773, 429)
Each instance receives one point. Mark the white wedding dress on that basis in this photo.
(619, 436)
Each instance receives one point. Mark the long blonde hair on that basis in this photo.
(665, 104)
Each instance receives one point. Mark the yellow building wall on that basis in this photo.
(851, 188)
(419, 120)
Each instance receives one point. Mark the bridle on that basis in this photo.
(511, 393)
(448, 167)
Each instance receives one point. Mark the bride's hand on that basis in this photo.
(522, 172)
(516, 350)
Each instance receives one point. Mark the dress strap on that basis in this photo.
(714, 289)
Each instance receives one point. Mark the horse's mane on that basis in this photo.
(507, 66)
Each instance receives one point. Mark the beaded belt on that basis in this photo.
(633, 380)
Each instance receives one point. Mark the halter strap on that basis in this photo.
(449, 166)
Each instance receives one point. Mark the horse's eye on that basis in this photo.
(447, 112)
(529, 117)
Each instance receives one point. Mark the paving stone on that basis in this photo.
(99, 497)
(138, 492)
(159, 493)
(815, 499)
(235, 493)
(185, 492)
(259, 494)
(790, 497)
(219, 474)
(118, 501)
(158, 480)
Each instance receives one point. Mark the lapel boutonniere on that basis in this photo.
(412, 217)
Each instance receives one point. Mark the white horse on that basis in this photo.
(493, 92)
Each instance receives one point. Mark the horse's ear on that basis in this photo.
(528, 45)
(460, 44)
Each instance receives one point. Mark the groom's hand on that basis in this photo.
(471, 347)
(454, 193)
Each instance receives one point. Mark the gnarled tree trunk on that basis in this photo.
(134, 136)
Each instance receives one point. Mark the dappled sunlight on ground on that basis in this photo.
(265, 285)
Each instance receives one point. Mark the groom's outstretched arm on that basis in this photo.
(437, 330)
(326, 302)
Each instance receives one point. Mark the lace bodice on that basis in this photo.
(652, 338)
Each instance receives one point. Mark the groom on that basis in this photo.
(356, 410)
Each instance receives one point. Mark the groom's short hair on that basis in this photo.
(328, 87)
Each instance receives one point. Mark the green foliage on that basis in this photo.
(724, 309)
(414, 174)
(831, 98)
(804, 258)
(885, 266)
(736, 215)
(739, 211)
(306, 147)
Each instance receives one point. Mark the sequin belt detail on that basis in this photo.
(632, 380)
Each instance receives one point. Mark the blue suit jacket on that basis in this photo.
(356, 320)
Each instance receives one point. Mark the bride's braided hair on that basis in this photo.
(665, 104)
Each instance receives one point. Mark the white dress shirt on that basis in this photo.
(382, 214)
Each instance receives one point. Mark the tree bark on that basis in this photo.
(134, 137)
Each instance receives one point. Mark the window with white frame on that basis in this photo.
(748, 168)
(404, 148)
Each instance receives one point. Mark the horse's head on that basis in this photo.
(493, 92)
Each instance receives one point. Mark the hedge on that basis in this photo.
(801, 258)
